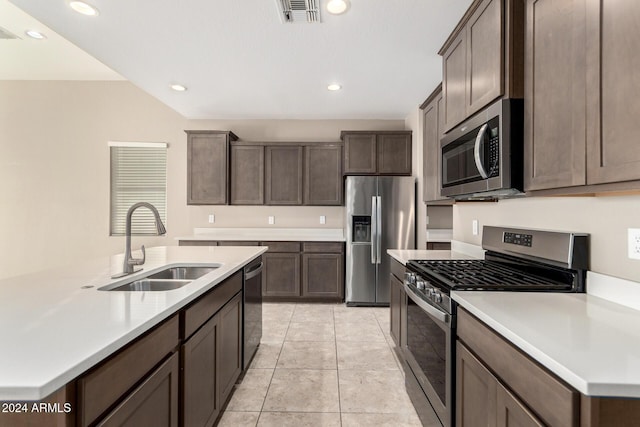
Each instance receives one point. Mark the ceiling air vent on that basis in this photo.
(299, 10)
(6, 35)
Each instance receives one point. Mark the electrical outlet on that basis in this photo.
(272, 219)
(634, 243)
(323, 219)
(212, 218)
(474, 227)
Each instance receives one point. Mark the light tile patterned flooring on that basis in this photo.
(322, 365)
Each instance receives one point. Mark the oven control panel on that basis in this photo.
(518, 239)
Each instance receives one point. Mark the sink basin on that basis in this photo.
(151, 285)
(163, 280)
(182, 273)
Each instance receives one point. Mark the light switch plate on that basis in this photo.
(474, 226)
(633, 243)
(323, 219)
(212, 218)
(272, 219)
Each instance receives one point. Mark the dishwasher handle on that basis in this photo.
(253, 272)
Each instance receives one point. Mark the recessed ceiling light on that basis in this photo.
(83, 8)
(334, 87)
(336, 7)
(178, 88)
(35, 34)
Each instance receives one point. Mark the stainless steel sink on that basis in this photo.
(182, 273)
(163, 280)
(152, 285)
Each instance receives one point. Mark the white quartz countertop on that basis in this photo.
(404, 255)
(591, 343)
(267, 234)
(53, 329)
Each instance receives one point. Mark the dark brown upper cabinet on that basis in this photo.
(580, 115)
(432, 111)
(555, 105)
(613, 105)
(483, 58)
(207, 167)
(283, 174)
(377, 152)
(323, 174)
(247, 174)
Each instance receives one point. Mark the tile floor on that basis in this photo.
(322, 365)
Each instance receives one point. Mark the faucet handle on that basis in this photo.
(139, 261)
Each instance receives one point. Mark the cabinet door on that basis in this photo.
(229, 360)
(612, 100)
(283, 175)
(281, 275)
(555, 86)
(475, 391)
(431, 151)
(152, 403)
(360, 154)
(207, 174)
(485, 53)
(200, 398)
(323, 175)
(512, 412)
(395, 302)
(323, 275)
(454, 82)
(394, 154)
(247, 175)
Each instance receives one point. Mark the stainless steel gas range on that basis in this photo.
(515, 260)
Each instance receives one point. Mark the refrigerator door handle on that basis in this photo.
(379, 229)
(374, 230)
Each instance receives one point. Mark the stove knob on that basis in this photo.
(437, 297)
(431, 291)
(409, 278)
(421, 284)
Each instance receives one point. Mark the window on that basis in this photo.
(138, 174)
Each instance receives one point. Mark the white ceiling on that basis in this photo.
(239, 60)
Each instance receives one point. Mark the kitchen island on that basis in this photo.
(58, 325)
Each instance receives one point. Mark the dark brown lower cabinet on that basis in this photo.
(281, 275)
(394, 308)
(211, 364)
(513, 413)
(152, 403)
(323, 275)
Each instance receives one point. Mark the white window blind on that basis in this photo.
(138, 174)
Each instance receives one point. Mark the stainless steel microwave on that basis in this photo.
(482, 158)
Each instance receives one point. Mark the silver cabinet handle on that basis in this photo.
(476, 151)
(374, 230)
(253, 272)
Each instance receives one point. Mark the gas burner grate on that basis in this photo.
(481, 274)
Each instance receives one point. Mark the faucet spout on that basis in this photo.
(129, 261)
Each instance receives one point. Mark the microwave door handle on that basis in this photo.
(374, 230)
(476, 151)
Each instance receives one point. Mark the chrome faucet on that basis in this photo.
(129, 261)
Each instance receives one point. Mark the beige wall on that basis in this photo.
(605, 218)
(54, 169)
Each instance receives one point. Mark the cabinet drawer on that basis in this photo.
(553, 401)
(324, 247)
(197, 243)
(282, 246)
(104, 385)
(397, 269)
(236, 243)
(199, 312)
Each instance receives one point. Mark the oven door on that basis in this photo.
(429, 354)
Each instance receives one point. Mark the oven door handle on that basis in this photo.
(476, 151)
(428, 308)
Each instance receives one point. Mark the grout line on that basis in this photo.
(335, 340)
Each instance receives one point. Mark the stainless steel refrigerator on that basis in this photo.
(380, 215)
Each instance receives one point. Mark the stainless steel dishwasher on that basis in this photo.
(252, 294)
